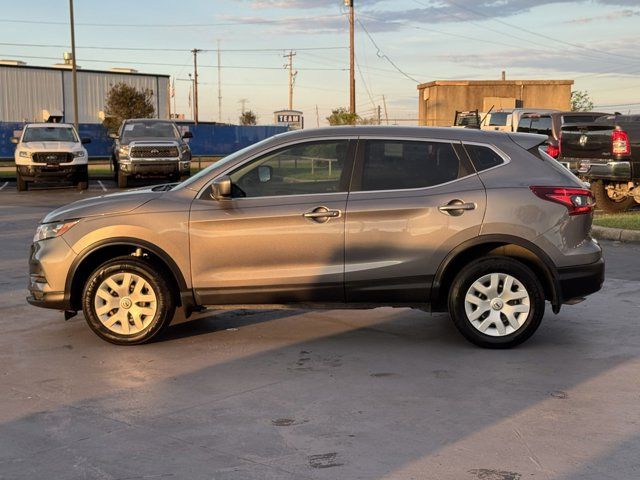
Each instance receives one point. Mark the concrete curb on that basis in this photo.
(616, 234)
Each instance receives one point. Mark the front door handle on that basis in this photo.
(456, 208)
(321, 214)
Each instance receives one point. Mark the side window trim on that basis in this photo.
(358, 168)
(349, 163)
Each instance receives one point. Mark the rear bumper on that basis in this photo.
(580, 281)
(605, 170)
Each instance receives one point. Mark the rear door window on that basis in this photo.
(483, 157)
(398, 164)
(524, 125)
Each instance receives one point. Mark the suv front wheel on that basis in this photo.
(126, 301)
(496, 302)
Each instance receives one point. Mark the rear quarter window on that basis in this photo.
(483, 157)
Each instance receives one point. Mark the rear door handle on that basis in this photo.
(456, 207)
(322, 214)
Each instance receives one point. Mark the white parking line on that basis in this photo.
(4, 185)
(104, 189)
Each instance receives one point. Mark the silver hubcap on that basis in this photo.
(125, 303)
(497, 304)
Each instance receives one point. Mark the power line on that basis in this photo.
(257, 21)
(380, 54)
(150, 49)
(242, 67)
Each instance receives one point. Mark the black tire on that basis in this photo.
(82, 179)
(502, 265)
(123, 180)
(21, 183)
(608, 204)
(165, 300)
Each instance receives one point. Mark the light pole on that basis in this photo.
(74, 69)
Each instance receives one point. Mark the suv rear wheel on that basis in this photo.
(496, 302)
(126, 301)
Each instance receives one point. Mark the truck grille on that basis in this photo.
(154, 152)
(52, 157)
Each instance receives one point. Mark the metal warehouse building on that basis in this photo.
(439, 100)
(31, 94)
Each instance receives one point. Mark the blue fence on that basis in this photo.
(208, 139)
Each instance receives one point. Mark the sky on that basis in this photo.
(399, 43)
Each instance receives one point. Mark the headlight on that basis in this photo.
(51, 230)
(79, 153)
(124, 150)
(24, 154)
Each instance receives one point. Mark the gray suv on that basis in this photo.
(482, 224)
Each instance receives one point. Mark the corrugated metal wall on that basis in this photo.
(25, 92)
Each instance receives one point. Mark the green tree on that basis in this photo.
(341, 116)
(124, 101)
(581, 101)
(248, 118)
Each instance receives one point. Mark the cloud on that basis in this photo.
(627, 13)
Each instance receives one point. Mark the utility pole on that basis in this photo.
(219, 86)
(74, 67)
(379, 115)
(386, 114)
(195, 84)
(190, 95)
(317, 117)
(243, 103)
(292, 75)
(352, 72)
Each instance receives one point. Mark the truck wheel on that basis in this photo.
(608, 204)
(123, 180)
(496, 302)
(83, 179)
(22, 184)
(127, 301)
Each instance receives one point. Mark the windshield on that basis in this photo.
(135, 130)
(49, 134)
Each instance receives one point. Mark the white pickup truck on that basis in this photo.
(50, 151)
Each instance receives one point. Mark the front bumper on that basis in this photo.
(49, 262)
(155, 168)
(579, 281)
(35, 172)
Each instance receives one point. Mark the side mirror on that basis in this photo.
(221, 188)
(85, 140)
(114, 136)
(15, 140)
(187, 134)
(265, 173)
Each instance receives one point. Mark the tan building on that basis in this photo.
(439, 100)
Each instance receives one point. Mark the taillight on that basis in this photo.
(620, 143)
(577, 200)
(553, 151)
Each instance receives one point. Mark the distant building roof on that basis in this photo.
(492, 82)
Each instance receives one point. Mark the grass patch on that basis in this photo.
(628, 221)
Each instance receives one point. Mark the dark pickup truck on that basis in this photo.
(607, 155)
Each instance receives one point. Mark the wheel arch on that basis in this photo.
(96, 254)
(510, 246)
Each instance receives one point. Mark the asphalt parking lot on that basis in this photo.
(381, 394)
